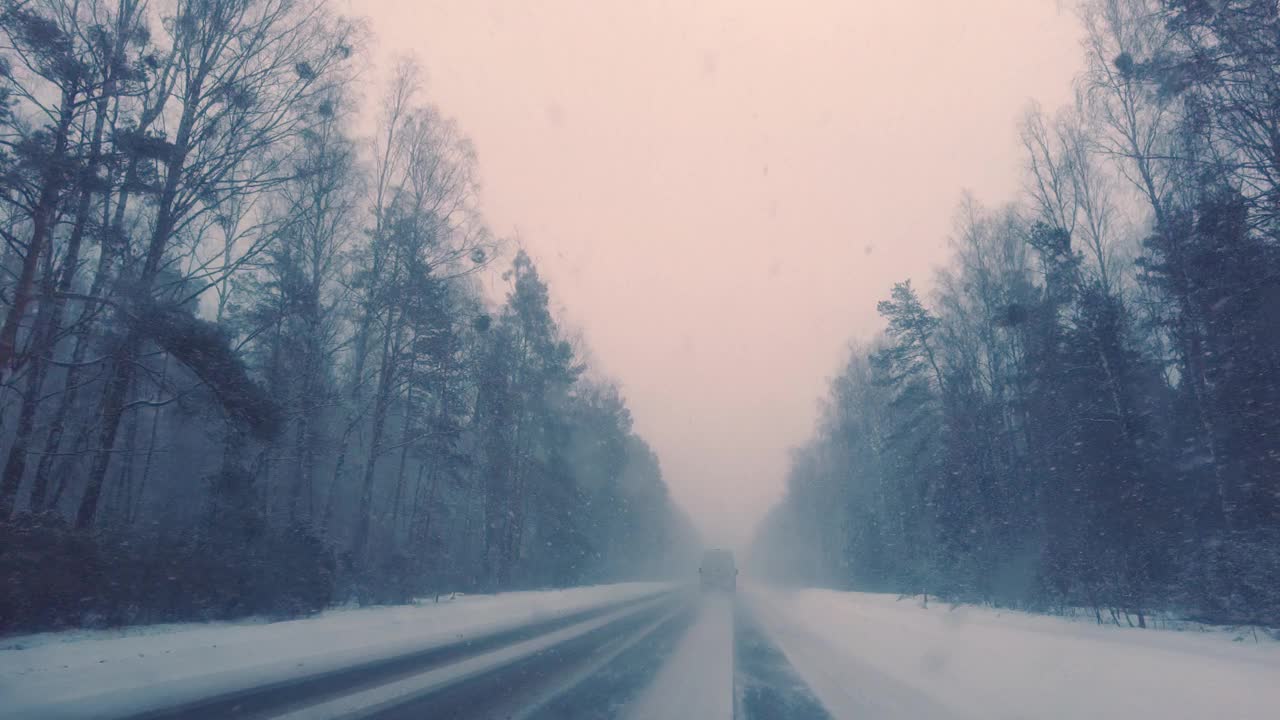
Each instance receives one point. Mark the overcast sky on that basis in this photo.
(719, 191)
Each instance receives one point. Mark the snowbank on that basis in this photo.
(875, 656)
(104, 673)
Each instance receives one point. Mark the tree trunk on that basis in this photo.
(127, 351)
(112, 408)
(46, 336)
(42, 221)
(304, 465)
(71, 383)
(124, 494)
(381, 403)
(16, 465)
(339, 465)
(151, 443)
(404, 455)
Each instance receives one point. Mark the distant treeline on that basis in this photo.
(247, 365)
(1086, 412)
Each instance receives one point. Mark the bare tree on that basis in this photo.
(247, 85)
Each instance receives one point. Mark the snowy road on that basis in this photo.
(640, 652)
(697, 679)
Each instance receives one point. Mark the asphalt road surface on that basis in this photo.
(683, 654)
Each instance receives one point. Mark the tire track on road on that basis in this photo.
(766, 686)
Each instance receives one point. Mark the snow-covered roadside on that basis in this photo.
(104, 673)
(875, 656)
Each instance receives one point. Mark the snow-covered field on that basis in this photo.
(114, 671)
(874, 656)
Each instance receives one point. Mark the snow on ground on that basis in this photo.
(100, 673)
(697, 680)
(874, 656)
